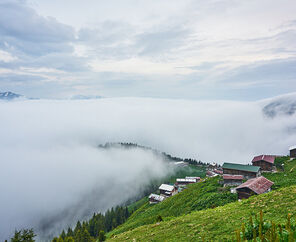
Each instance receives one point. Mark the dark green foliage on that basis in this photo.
(89, 230)
(159, 218)
(102, 236)
(24, 235)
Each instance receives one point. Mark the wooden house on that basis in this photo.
(167, 190)
(254, 186)
(293, 151)
(266, 162)
(185, 181)
(232, 180)
(247, 171)
(154, 198)
(197, 178)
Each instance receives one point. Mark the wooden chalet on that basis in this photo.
(266, 162)
(232, 180)
(154, 198)
(167, 190)
(185, 181)
(254, 186)
(293, 151)
(197, 178)
(247, 171)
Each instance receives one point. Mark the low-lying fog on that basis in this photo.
(52, 172)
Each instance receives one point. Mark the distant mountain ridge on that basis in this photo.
(9, 95)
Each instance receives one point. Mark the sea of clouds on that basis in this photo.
(52, 172)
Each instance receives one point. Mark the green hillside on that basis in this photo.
(218, 223)
(213, 221)
(203, 195)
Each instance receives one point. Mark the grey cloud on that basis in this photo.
(23, 29)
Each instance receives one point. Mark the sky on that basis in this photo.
(190, 49)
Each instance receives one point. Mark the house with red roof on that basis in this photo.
(232, 180)
(266, 162)
(254, 186)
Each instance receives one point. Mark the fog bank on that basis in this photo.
(51, 166)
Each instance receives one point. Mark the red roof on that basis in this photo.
(258, 185)
(233, 177)
(218, 171)
(267, 158)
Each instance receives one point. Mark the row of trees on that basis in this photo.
(95, 228)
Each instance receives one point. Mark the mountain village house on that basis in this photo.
(238, 169)
(232, 180)
(185, 181)
(266, 162)
(168, 190)
(293, 151)
(197, 178)
(154, 198)
(254, 186)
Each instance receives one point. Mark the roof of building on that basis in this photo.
(258, 185)
(292, 147)
(166, 187)
(156, 197)
(189, 180)
(240, 167)
(193, 177)
(218, 171)
(267, 158)
(233, 177)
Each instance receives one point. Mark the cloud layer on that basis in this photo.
(53, 173)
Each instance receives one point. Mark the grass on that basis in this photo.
(286, 175)
(198, 212)
(203, 195)
(216, 224)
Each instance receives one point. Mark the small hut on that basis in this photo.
(254, 186)
(167, 190)
(154, 198)
(185, 181)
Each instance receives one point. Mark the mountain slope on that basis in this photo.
(203, 195)
(219, 223)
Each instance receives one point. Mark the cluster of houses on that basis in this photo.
(236, 174)
(166, 190)
(246, 179)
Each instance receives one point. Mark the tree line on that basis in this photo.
(87, 231)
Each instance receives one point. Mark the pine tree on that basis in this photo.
(25, 235)
(63, 235)
(102, 236)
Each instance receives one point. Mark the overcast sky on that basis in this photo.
(215, 49)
